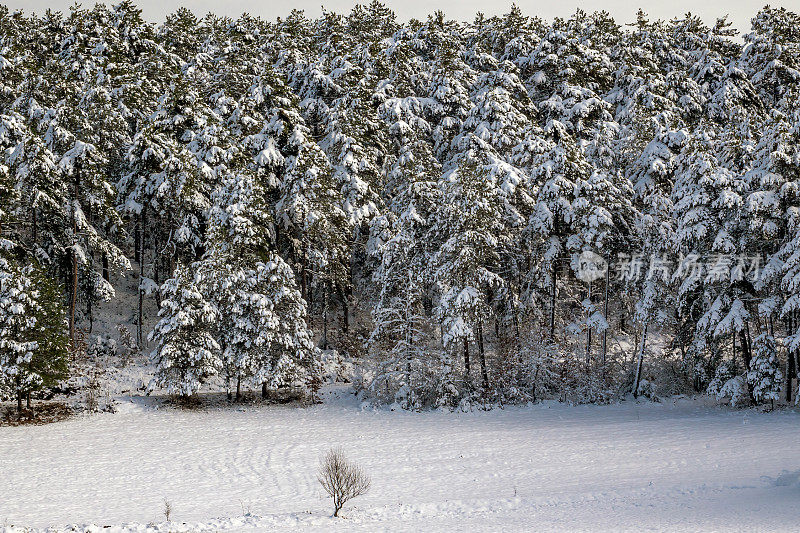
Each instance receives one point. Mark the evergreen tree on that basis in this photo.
(33, 341)
(771, 55)
(186, 352)
(261, 329)
(399, 243)
(707, 201)
(471, 229)
(764, 374)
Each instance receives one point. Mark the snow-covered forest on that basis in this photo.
(452, 214)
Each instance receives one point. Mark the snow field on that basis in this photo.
(677, 466)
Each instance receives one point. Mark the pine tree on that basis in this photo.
(39, 182)
(771, 55)
(764, 374)
(471, 229)
(399, 243)
(261, 328)
(556, 170)
(33, 341)
(93, 219)
(186, 352)
(17, 326)
(707, 200)
(310, 210)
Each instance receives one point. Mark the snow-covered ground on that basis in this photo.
(679, 465)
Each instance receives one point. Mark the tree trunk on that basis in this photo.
(484, 373)
(324, 342)
(746, 345)
(639, 361)
(466, 360)
(157, 260)
(747, 357)
(264, 390)
(140, 314)
(106, 275)
(790, 371)
(343, 295)
(238, 387)
(553, 305)
(310, 284)
(348, 290)
(28, 400)
(89, 312)
(797, 368)
(73, 297)
(605, 331)
(19, 393)
(796, 357)
(588, 327)
(303, 287)
(408, 333)
(137, 242)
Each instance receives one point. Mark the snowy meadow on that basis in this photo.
(354, 272)
(675, 466)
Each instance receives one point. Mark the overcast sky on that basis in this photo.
(739, 11)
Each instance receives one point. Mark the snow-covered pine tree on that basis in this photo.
(449, 85)
(310, 211)
(167, 181)
(42, 197)
(355, 163)
(399, 242)
(601, 221)
(11, 132)
(771, 54)
(311, 228)
(499, 118)
(556, 169)
(494, 136)
(764, 374)
(33, 340)
(772, 218)
(17, 327)
(470, 227)
(186, 352)
(652, 174)
(707, 201)
(261, 327)
(93, 223)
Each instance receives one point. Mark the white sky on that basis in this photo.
(624, 11)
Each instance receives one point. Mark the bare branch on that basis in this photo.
(341, 479)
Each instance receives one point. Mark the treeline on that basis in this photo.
(496, 211)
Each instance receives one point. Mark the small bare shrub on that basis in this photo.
(128, 346)
(167, 509)
(94, 389)
(341, 479)
(78, 346)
